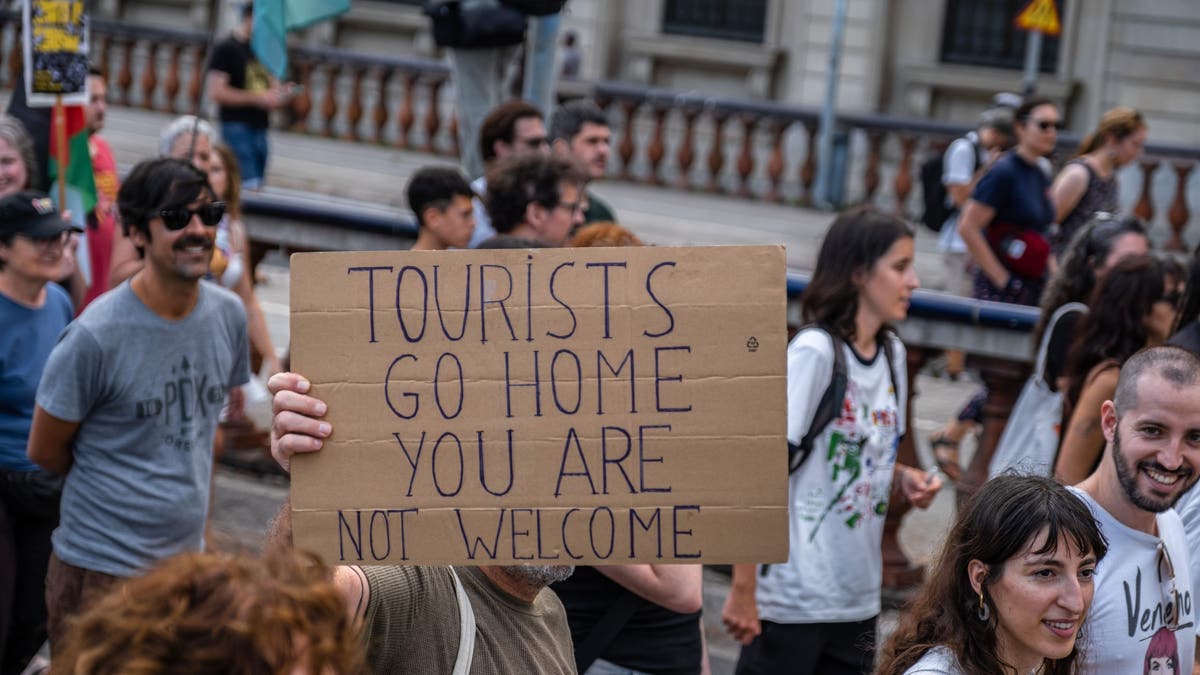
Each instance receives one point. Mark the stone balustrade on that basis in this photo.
(753, 149)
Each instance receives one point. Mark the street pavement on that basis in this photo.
(376, 175)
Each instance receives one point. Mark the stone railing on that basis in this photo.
(754, 149)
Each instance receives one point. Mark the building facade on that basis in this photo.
(938, 58)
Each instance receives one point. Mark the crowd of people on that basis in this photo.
(112, 392)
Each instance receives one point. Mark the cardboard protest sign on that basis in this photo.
(553, 406)
(55, 35)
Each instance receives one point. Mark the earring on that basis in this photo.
(984, 612)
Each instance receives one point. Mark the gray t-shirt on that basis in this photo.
(146, 392)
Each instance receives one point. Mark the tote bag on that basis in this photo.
(1029, 443)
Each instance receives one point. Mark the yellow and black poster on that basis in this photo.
(56, 50)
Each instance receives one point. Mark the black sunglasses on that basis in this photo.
(1046, 125)
(176, 219)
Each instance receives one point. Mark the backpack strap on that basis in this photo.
(466, 628)
(828, 406)
(1039, 369)
(606, 629)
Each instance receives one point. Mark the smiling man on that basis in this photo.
(1144, 591)
(129, 400)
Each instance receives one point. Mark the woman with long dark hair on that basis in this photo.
(1132, 308)
(1104, 241)
(1019, 557)
(816, 613)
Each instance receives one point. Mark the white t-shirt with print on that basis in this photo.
(936, 661)
(839, 496)
(1130, 603)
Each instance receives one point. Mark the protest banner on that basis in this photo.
(55, 45)
(553, 406)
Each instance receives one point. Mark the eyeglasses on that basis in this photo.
(536, 143)
(1047, 125)
(51, 242)
(1170, 594)
(176, 219)
(1173, 298)
(571, 207)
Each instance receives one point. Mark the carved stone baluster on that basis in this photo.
(380, 114)
(354, 109)
(776, 163)
(433, 115)
(716, 154)
(150, 75)
(871, 172)
(196, 86)
(1145, 204)
(808, 168)
(687, 153)
(125, 76)
(1179, 214)
(628, 143)
(104, 55)
(171, 83)
(1003, 380)
(405, 118)
(16, 59)
(745, 163)
(898, 572)
(452, 131)
(329, 107)
(302, 105)
(656, 150)
(903, 183)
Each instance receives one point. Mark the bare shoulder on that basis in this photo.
(352, 583)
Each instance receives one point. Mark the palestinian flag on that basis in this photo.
(75, 171)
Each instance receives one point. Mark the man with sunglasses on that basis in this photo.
(512, 129)
(1151, 458)
(129, 400)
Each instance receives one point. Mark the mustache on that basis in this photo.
(193, 240)
(1182, 472)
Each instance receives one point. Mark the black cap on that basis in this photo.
(32, 214)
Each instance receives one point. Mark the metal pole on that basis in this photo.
(824, 187)
(1033, 59)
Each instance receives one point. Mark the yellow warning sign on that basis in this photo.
(1042, 16)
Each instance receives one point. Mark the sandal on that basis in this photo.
(945, 454)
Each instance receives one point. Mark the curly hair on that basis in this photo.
(604, 234)
(853, 244)
(1089, 249)
(516, 182)
(1115, 327)
(217, 613)
(1008, 514)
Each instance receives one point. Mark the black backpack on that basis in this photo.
(933, 190)
(830, 406)
(536, 7)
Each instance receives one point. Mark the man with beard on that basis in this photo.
(129, 400)
(415, 618)
(579, 129)
(1152, 429)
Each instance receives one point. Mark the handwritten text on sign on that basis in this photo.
(578, 405)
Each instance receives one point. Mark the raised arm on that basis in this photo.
(676, 587)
